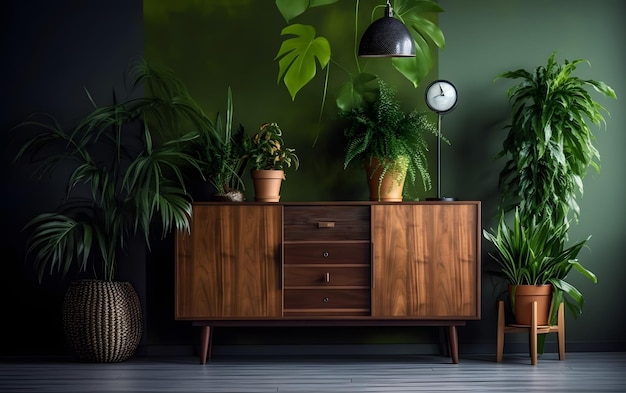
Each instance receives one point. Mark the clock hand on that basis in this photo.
(441, 90)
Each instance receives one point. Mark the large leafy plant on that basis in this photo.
(303, 50)
(126, 163)
(382, 130)
(536, 254)
(550, 146)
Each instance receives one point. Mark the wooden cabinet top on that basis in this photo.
(340, 203)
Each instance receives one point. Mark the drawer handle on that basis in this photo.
(327, 277)
(326, 224)
(326, 300)
(325, 254)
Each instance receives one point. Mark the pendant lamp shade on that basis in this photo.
(387, 37)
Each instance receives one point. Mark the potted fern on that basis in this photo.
(269, 157)
(389, 143)
(126, 165)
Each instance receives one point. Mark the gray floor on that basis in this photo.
(580, 372)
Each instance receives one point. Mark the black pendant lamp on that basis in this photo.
(387, 37)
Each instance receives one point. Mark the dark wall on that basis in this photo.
(51, 50)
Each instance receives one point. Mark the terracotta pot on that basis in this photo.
(522, 297)
(389, 189)
(267, 185)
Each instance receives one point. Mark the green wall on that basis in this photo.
(220, 43)
(217, 44)
(487, 37)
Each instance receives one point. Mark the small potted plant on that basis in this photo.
(534, 261)
(222, 155)
(269, 157)
(390, 143)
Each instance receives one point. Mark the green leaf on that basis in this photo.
(297, 56)
(359, 90)
(422, 30)
(289, 9)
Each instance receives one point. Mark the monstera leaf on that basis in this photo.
(409, 12)
(297, 56)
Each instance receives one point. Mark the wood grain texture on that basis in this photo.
(230, 265)
(426, 261)
(325, 276)
(348, 222)
(327, 253)
(327, 298)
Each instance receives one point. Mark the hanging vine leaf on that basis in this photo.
(298, 54)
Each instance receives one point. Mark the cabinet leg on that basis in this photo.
(453, 343)
(206, 339)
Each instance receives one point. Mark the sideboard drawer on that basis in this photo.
(326, 276)
(314, 299)
(327, 223)
(327, 253)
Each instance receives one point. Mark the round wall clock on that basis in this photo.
(441, 96)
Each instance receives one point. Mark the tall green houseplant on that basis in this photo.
(548, 150)
(125, 168)
(550, 145)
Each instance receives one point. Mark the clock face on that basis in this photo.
(441, 96)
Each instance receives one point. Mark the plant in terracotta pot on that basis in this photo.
(124, 171)
(269, 157)
(548, 150)
(390, 143)
(536, 255)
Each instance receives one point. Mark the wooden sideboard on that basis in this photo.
(330, 263)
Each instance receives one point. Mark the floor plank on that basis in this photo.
(580, 372)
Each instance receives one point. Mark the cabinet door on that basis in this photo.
(426, 260)
(229, 265)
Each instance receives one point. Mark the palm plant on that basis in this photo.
(127, 170)
(382, 130)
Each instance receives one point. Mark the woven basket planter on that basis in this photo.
(102, 320)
